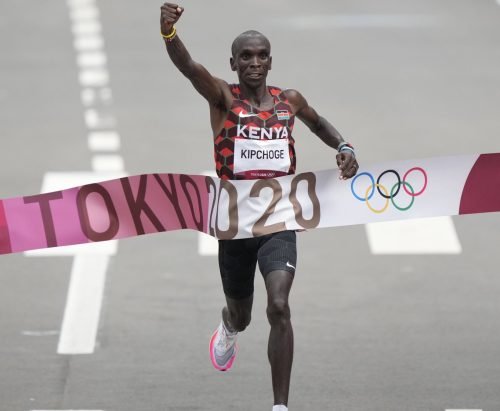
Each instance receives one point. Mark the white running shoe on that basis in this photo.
(223, 348)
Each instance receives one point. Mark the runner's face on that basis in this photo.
(252, 61)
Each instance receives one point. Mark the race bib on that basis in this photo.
(261, 158)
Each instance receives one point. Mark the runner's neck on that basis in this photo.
(258, 97)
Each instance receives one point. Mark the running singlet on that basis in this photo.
(255, 144)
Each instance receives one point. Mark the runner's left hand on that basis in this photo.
(348, 165)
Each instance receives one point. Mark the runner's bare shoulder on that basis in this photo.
(296, 100)
(226, 99)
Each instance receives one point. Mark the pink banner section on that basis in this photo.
(152, 203)
(481, 193)
(108, 210)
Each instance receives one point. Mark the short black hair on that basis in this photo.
(246, 34)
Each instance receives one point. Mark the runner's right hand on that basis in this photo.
(170, 14)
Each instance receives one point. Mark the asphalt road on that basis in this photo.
(400, 79)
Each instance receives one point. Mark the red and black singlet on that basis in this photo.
(256, 144)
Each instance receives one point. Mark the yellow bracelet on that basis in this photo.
(171, 35)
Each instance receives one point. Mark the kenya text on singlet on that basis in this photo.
(256, 144)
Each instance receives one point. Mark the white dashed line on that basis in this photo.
(95, 119)
(88, 43)
(81, 28)
(88, 274)
(92, 96)
(104, 141)
(97, 77)
(84, 13)
(420, 236)
(91, 59)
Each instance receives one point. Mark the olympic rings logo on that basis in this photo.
(365, 195)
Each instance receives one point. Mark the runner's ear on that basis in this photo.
(232, 64)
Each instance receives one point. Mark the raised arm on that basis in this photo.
(215, 91)
(346, 160)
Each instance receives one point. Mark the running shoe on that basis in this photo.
(223, 348)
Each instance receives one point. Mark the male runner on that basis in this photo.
(252, 127)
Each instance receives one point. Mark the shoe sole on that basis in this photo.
(226, 366)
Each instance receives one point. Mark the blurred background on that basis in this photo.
(87, 91)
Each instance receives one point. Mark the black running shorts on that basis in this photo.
(238, 259)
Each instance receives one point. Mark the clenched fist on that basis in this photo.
(170, 13)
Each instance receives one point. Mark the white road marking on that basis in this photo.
(40, 333)
(86, 27)
(207, 245)
(88, 43)
(90, 96)
(95, 120)
(420, 236)
(97, 77)
(84, 13)
(88, 274)
(91, 59)
(83, 305)
(107, 162)
(371, 21)
(104, 141)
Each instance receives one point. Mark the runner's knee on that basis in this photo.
(278, 311)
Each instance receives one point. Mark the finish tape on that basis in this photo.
(151, 203)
